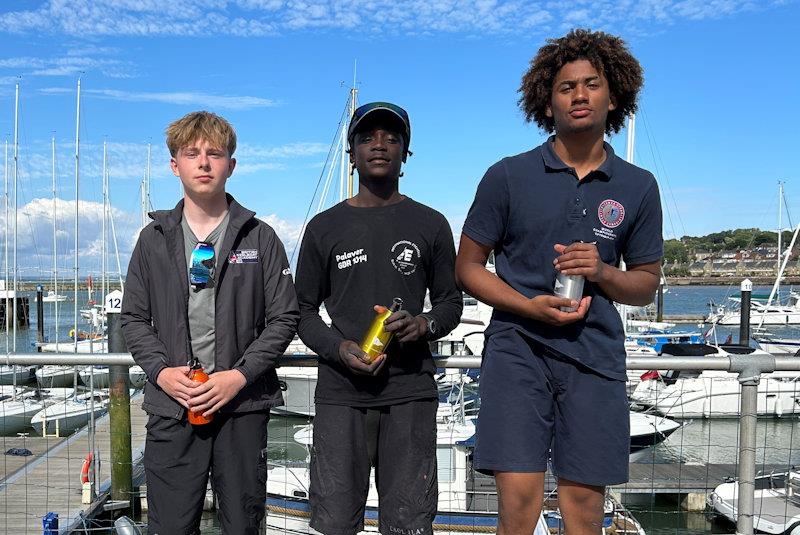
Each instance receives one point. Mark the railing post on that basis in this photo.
(119, 407)
(749, 368)
(744, 313)
(660, 302)
(40, 317)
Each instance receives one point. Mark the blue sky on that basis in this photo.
(718, 123)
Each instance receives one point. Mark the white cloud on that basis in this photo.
(288, 232)
(183, 98)
(75, 62)
(35, 236)
(270, 17)
(290, 150)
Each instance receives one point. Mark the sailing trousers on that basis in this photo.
(177, 459)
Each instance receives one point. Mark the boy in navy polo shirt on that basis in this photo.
(552, 382)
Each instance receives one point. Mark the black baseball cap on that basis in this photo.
(394, 113)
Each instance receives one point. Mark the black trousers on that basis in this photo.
(400, 441)
(177, 460)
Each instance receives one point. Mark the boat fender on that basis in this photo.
(88, 463)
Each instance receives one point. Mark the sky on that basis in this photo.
(717, 122)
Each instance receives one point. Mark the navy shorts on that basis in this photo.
(537, 404)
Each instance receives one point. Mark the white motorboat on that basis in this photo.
(68, 416)
(52, 297)
(778, 346)
(776, 507)
(298, 385)
(716, 394)
(647, 430)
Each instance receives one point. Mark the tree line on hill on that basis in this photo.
(683, 250)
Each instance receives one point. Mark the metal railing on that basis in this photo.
(749, 369)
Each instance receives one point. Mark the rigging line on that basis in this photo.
(786, 206)
(24, 167)
(657, 154)
(663, 196)
(319, 180)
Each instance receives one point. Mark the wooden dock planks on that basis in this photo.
(30, 487)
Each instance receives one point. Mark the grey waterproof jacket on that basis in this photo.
(256, 310)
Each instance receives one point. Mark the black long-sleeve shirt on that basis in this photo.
(354, 258)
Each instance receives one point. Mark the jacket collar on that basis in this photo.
(171, 219)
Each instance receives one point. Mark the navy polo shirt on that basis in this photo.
(527, 203)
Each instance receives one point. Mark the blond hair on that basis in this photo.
(200, 125)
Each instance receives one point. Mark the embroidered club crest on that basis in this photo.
(611, 213)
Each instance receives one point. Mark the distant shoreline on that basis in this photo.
(727, 281)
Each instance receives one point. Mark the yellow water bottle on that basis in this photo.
(377, 338)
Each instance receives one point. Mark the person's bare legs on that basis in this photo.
(581, 507)
(519, 501)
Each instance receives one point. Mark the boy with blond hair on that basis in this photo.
(208, 284)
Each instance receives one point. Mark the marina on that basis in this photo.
(682, 470)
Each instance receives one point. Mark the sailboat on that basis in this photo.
(765, 309)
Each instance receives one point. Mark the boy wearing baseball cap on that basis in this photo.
(356, 258)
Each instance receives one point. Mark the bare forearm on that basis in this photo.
(629, 287)
(485, 286)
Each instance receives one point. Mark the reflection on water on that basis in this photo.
(716, 441)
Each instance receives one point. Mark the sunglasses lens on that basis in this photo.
(202, 263)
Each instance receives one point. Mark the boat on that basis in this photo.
(765, 309)
(92, 345)
(54, 376)
(777, 502)
(66, 417)
(648, 430)
(17, 411)
(52, 297)
(99, 376)
(762, 311)
(715, 393)
(16, 374)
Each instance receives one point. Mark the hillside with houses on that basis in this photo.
(731, 254)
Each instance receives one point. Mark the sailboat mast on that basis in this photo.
(780, 228)
(55, 242)
(16, 176)
(103, 289)
(629, 152)
(5, 238)
(631, 138)
(77, 212)
(147, 186)
(353, 98)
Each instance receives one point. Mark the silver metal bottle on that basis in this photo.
(569, 287)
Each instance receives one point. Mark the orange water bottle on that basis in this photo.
(198, 375)
(377, 338)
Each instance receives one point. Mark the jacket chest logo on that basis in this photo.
(405, 256)
(243, 256)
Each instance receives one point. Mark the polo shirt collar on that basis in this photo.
(552, 162)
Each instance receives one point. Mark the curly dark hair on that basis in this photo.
(607, 53)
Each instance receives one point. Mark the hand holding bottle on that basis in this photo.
(404, 326)
(353, 357)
